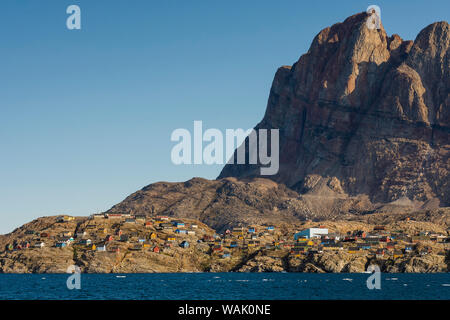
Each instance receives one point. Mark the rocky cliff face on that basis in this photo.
(364, 113)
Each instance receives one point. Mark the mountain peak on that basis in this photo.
(366, 110)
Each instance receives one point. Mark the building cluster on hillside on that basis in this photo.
(113, 232)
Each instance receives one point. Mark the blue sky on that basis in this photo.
(86, 115)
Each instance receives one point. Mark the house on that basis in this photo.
(360, 234)
(65, 219)
(194, 226)
(147, 224)
(251, 230)
(178, 223)
(408, 249)
(124, 238)
(332, 246)
(102, 230)
(141, 240)
(60, 244)
(29, 232)
(353, 250)
(191, 232)
(130, 220)
(311, 233)
(153, 236)
(208, 238)
(184, 244)
(93, 247)
(98, 216)
(86, 242)
(364, 246)
(380, 253)
(67, 240)
(163, 218)
(167, 245)
(238, 231)
(390, 245)
(251, 244)
(270, 228)
(101, 247)
(156, 249)
(65, 234)
(233, 244)
(170, 239)
(140, 217)
(166, 225)
(114, 215)
(398, 254)
(181, 231)
(226, 255)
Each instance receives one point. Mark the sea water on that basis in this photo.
(225, 286)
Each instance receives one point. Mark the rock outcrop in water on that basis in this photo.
(364, 113)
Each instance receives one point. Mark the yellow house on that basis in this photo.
(94, 247)
(309, 243)
(153, 235)
(171, 239)
(102, 230)
(146, 245)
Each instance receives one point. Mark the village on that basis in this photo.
(116, 233)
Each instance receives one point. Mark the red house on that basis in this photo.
(156, 249)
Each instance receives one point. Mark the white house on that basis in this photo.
(39, 245)
(101, 248)
(311, 233)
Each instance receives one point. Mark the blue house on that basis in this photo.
(233, 244)
(184, 244)
(226, 255)
(181, 231)
(60, 244)
(178, 224)
(270, 228)
(251, 230)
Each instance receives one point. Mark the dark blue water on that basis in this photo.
(212, 286)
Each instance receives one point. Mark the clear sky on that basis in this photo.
(86, 115)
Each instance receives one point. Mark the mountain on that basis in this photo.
(364, 113)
